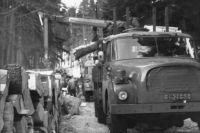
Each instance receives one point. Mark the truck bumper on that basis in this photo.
(154, 108)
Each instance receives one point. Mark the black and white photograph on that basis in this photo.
(99, 66)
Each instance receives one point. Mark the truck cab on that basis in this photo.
(150, 77)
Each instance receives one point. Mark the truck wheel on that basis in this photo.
(100, 115)
(87, 96)
(95, 103)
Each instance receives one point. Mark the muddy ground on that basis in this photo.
(86, 122)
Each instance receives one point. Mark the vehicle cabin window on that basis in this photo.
(150, 46)
(108, 52)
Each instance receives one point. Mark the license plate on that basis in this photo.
(182, 96)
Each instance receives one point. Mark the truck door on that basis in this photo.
(106, 78)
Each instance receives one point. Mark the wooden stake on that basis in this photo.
(154, 19)
(167, 19)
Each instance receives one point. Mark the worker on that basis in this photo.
(72, 86)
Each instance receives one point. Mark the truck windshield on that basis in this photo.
(142, 47)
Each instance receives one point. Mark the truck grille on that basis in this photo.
(171, 79)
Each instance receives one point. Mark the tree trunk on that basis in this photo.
(10, 45)
(19, 45)
(12, 29)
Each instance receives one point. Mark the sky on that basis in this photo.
(70, 3)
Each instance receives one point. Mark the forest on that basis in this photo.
(21, 30)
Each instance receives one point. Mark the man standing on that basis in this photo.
(72, 87)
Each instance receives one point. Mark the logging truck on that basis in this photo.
(29, 100)
(148, 77)
(144, 77)
(87, 80)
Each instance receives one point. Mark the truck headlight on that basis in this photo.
(122, 95)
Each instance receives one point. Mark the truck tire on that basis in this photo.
(116, 123)
(95, 103)
(101, 116)
(87, 96)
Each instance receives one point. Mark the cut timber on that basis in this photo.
(14, 72)
(35, 85)
(38, 115)
(46, 115)
(8, 118)
(4, 85)
(84, 50)
(41, 130)
(21, 125)
(18, 103)
(28, 103)
(30, 123)
(41, 100)
(45, 84)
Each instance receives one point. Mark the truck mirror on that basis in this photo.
(100, 56)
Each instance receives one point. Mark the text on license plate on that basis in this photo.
(182, 96)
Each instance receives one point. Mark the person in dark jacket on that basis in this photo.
(72, 85)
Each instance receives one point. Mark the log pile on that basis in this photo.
(28, 100)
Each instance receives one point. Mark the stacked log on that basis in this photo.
(21, 124)
(38, 115)
(4, 85)
(35, 85)
(27, 101)
(45, 103)
(18, 104)
(19, 96)
(8, 118)
(15, 76)
(30, 123)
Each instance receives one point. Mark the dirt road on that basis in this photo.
(86, 122)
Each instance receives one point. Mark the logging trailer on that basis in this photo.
(29, 100)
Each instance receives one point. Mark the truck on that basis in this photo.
(87, 80)
(148, 77)
(144, 77)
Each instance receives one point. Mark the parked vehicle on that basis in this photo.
(150, 77)
(87, 80)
